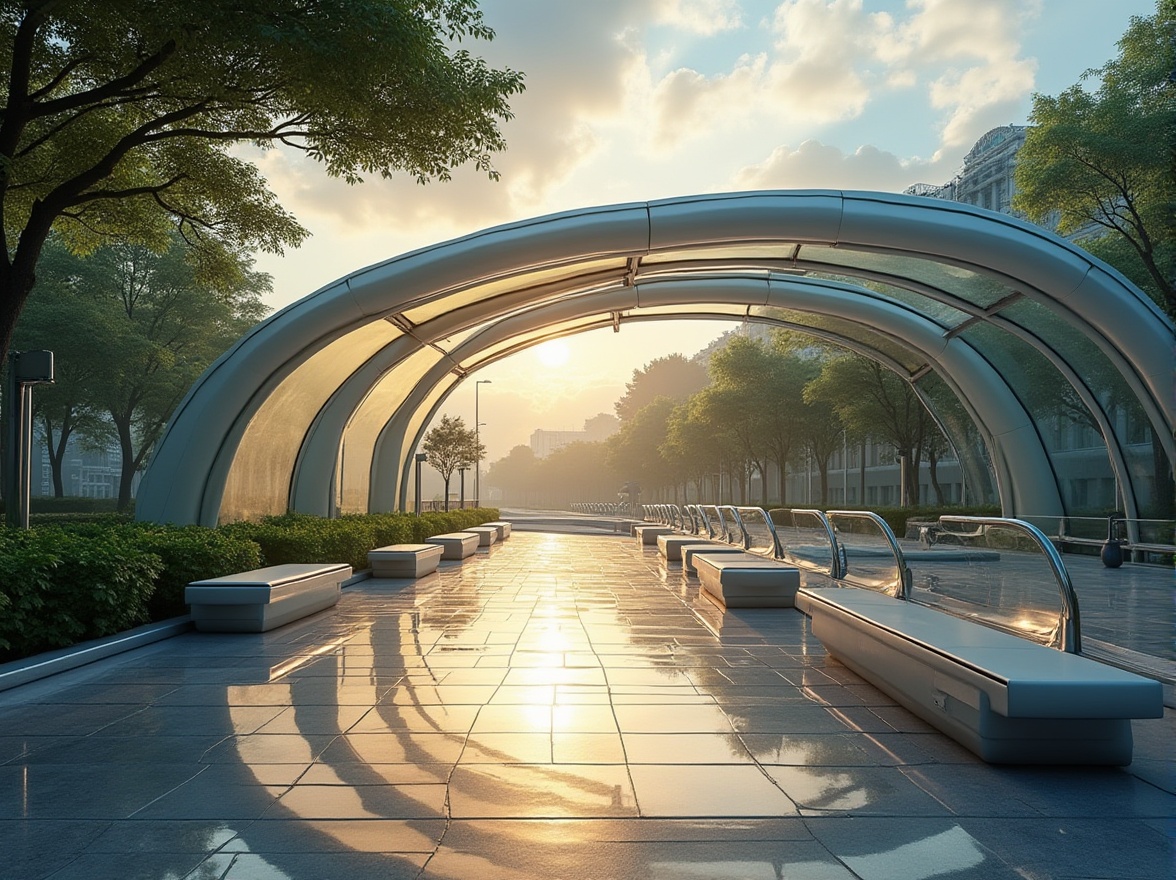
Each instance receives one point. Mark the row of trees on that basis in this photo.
(772, 406)
(761, 408)
(131, 329)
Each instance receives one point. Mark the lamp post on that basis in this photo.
(461, 493)
(421, 457)
(25, 369)
(478, 446)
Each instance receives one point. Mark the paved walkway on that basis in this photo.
(560, 706)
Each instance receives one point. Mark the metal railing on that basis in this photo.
(878, 562)
(1022, 547)
(806, 540)
(759, 531)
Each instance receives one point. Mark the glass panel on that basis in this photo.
(360, 437)
(449, 301)
(754, 254)
(1124, 413)
(869, 560)
(993, 574)
(258, 483)
(804, 539)
(909, 359)
(976, 482)
(979, 290)
(514, 343)
(1068, 432)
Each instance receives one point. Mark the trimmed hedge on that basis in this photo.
(296, 537)
(63, 584)
(62, 588)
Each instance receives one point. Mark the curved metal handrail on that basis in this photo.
(836, 566)
(1069, 621)
(715, 526)
(749, 514)
(728, 510)
(902, 589)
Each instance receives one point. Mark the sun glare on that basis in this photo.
(553, 353)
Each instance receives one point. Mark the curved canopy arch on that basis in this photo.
(319, 407)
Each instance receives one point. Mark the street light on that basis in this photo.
(478, 446)
(421, 458)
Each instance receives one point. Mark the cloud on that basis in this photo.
(814, 165)
(705, 17)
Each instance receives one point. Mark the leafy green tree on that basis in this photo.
(692, 443)
(65, 320)
(450, 446)
(516, 474)
(672, 376)
(635, 451)
(152, 329)
(871, 400)
(1106, 156)
(576, 472)
(120, 120)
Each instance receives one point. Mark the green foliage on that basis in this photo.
(672, 376)
(450, 446)
(62, 588)
(296, 537)
(127, 119)
(190, 553)
(1106, 155)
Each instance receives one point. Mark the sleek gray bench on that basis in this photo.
(1007, 699)
(260, 600)
(405, 560)
(648, 533)
(503, 528)
(456, 545)
(738, 581)
(487, 535)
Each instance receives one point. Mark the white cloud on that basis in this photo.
(705, 17)
(815, 165)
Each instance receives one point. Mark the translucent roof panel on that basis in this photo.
(360, 437)
(754, 254)
(980, 290)
(258, 483)
(523, 280)
(869, 339)
(1076, 448)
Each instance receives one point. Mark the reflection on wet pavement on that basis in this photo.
(557, 706)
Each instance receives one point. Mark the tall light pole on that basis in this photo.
(478, 445)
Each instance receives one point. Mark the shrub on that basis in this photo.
(191, 553)
(62, 588)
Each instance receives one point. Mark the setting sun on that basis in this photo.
(553, 353)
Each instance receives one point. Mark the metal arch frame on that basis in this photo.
(993, 405)
(186, 480)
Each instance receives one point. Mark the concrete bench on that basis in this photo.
(747, 581)
(487, 535)
(503, 528)
(670, 546)
(1008, 700)
(260, 600)
(647, 534)
(690, 552)
(456, 545)
(405, 560)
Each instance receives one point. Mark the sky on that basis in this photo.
(631, 100)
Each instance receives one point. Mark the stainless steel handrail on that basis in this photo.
(903, 588)
(1069, 621)
(724, 510)
(836, 564)
(745, 513)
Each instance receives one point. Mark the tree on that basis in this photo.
(872, 400)
(1107, 156)
(672, 376)
(151, 328)
(516, 474)
(119, 119)
(450, 445)
(635, 451)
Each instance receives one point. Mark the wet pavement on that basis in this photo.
(560, 705)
